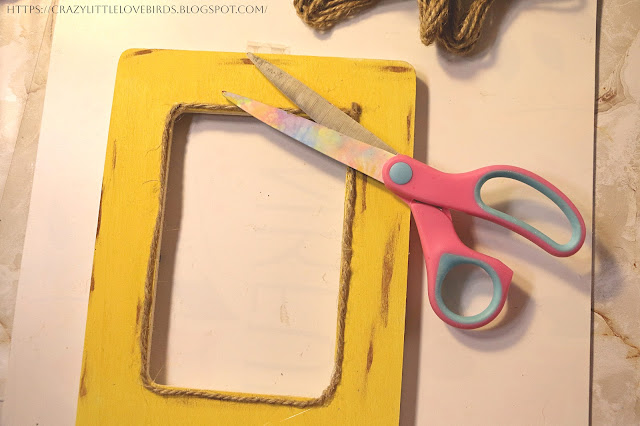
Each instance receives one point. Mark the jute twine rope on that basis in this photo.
(146, 319)
(447, 22)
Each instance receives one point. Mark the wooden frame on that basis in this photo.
(153, 87)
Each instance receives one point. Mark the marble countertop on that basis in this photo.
(25, 44)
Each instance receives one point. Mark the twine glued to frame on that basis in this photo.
(149, 290)
(447, 22)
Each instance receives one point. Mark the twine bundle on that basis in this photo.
(446, 22)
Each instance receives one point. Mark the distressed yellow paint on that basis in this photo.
(148, 84)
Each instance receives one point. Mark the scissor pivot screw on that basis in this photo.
(400, 173)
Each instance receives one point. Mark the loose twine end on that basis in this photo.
(445, 22)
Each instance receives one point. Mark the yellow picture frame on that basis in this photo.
(153, 88)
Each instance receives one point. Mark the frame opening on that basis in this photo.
(280, 339)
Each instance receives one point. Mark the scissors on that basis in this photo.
(430, 193)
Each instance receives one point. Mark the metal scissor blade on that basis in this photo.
(317, 107)
(354, 153)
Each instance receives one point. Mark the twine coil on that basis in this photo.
(446, 22)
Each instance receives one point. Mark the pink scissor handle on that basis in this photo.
(443, 251)
(413, 180)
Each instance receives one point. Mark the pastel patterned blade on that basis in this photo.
(318, 108)
(354, 153)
